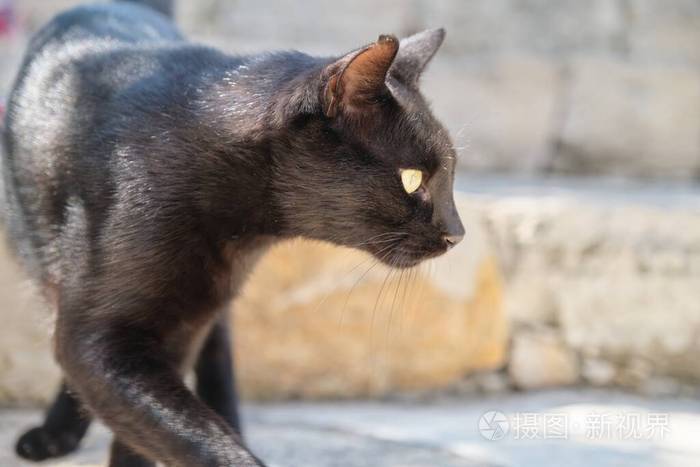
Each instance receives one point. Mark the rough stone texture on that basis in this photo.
(630, 119)
(664, 31)
(598, 372)
(543, 27)
(334, 28)
(337, 330)
(507, 105)
(619, 281)
(541, 360)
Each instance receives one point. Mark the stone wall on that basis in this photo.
(600, 292)
(539, 86)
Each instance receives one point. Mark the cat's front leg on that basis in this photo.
(126, 379)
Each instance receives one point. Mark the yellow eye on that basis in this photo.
(411, 179)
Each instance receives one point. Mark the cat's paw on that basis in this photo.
(39, 444)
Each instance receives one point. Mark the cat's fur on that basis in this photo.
(145, 174)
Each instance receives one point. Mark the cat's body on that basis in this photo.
(103, 70)
(143, 177)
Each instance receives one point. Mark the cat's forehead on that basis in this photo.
(424, 140)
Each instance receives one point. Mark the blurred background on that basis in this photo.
(578, 131)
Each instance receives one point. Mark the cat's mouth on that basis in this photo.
(402, 253)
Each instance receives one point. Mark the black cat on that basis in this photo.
(145, 174)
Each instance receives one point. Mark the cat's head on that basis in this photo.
(370, 166)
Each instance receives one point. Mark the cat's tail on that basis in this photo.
(166, 7)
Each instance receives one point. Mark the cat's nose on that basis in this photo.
(452, 240)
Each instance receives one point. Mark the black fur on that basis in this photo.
(143, 177)
(67, 422)
(65, 425)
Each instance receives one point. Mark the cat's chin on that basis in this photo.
(408, 261)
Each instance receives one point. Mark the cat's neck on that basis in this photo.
(242, 122)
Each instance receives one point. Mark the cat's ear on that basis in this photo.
(359, 77)
(415, 52)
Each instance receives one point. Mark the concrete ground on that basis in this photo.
(573, 428)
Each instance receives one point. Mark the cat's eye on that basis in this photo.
(411, 180)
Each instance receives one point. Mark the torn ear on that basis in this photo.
(360, 76)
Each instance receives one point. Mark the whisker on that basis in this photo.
(347, 297)
(370, 257)
(371, 240)
(376, 242)
(328, 293)
(381, 290)
(418, 293)
(408, 284)
(393, 304)
(376, 261)
(373, 345)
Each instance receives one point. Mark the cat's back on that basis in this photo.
(72, 52)
(71, 68)
(116, 21)
(63, 55)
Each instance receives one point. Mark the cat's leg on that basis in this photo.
(216, 382)
(215, 386)
(121, 455)
(60, 434)
(123, 374)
